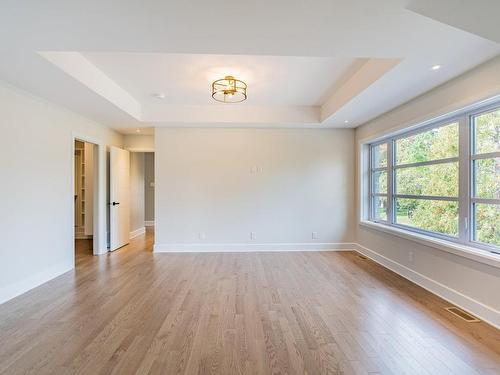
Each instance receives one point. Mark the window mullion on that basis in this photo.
(427, 197)
(390, 181)
(485, 200)
(370, 184)
(464, 180)
(488, 155)
(426, 163)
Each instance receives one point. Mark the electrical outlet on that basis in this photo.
(254, 169)
(314, 235)
(253, 235)
(411, 256)
(202, 235)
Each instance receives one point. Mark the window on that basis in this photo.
(426, 180)
(442, 179)
(379, 182)
(486, 177)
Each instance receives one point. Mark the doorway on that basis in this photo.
(84, 174)
(88, 195)
(149, 191)
(142, 189)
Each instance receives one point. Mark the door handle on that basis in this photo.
(115, 203)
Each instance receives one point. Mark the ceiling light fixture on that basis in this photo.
(346, 121)
(436, 67)
(229, 90)
(159, 95)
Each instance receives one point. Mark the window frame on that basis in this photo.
(466, 177)
(472, 156)
(372, 193)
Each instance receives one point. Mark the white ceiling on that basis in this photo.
(477, 17)
(307, 63)
(186, 79)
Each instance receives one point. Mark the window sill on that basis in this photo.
(481, 256)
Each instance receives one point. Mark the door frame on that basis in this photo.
(100, 245)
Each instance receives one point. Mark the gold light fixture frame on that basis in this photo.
(229, 90)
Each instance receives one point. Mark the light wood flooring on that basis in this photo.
(134, 312)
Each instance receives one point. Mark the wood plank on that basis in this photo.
(135, 312)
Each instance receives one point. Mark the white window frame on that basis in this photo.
(465, 159)
(373, 194)
(472, 156)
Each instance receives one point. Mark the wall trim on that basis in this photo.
(149, 223)
(479, 309)
(137, 232)
(32, 281)
(250, 247)
(481, 256)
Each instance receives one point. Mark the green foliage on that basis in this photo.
(439, 143)
(487, 139)
(433, 180)
(488, 223)
(487, 132)
(487, 178)
(380, 155)
(442, 179)
(380, 182)
(381, 208)
(435, 216)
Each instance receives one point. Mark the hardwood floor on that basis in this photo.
(83, 249)
(134, 312)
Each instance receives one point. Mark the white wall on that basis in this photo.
(36, 197)
(474, 286)
(282, 184)
(139, 143)
(137, 193)
(478, 84)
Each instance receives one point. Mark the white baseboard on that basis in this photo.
(13, 290)
(250, 247)
(479, 309)
(149, 223)
(137, 232)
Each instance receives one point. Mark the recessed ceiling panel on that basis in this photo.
(307, 63)
(185, 79)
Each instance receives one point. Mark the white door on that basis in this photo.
(119, 195)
